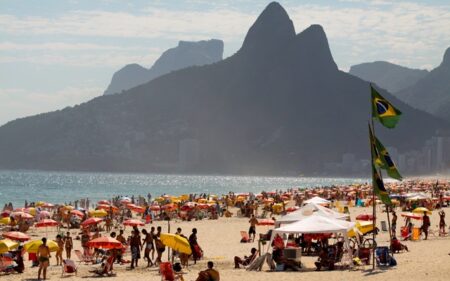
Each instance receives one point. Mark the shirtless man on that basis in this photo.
(252, 230)
(148, 241)
(43, 256)
(135, 245)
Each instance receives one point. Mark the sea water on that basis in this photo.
(60, 187)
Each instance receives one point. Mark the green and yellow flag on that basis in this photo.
(385, 161)
(377, 182)
(383, 110)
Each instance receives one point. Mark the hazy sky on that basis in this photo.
(61, 53)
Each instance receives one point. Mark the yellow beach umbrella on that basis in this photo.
(39, 203)
(98, 213)
(176, 242)
(33, 246)
(422, 210)
(7, 245)
(362, 226)
(5, 220)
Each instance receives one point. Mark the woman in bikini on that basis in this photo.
(68, 244)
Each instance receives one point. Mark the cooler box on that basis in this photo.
(416, 234)
(292, 253)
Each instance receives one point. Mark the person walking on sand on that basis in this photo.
(426, 224)
(252, 229)
(442, 223)
(148, 242)
(195, 248)
(43, 256)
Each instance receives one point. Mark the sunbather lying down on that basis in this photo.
(105, 266)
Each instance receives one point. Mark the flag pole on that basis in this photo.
(373, 203)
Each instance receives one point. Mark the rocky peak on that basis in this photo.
(272, 29)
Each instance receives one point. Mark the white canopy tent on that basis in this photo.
(307, 211)
(317, 200)
(317, 224)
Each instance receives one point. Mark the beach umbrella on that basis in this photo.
(33, 246)
(107, 208)
(176, 242)
(412, 216)
(138, 209)
(44, 214)
(5, 220)
(155, 208)
(77, 213)
(133, 222)
(98, 213)
(422, 210)
(22, 215)
(266, 222)
(16, 236)
(105, 243)
(40, 203)
(46, 223)
(48, 206)
(7, 245)
(30, 210)
(5, 213)
(105, 202)
(365, 217)
(91, 221)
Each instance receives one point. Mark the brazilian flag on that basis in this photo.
(378, 187)
(385, 162)
(381, 157)
(383, 110)
(377, 182)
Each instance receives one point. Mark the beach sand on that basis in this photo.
(427, 260)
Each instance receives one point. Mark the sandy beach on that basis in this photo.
(219, 239)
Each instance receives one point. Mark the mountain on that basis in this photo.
(186, 54)
(387, 75)
(278, 106)
(432, 93)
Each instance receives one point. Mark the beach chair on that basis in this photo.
(245, 237)
(6, 264)
(382, 257)
(246, 266)
(84, 258)
(69, 266)
(167, 273)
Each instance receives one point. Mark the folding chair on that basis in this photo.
(69, 266)
(83, 258)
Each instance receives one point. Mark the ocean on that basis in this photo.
(60, 187)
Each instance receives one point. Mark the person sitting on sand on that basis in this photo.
(323, 260)
(246, 260)
(397, 246)
(209, 274)
(43, 256)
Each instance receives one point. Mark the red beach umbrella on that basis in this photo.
(16, 236)
(412, 216)
(103, 202)
(91, 221)
(105, 243)
(155, 208)
(46, 223)
(266, 222)
(77, 213)
(365, 217)
(133, 222)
